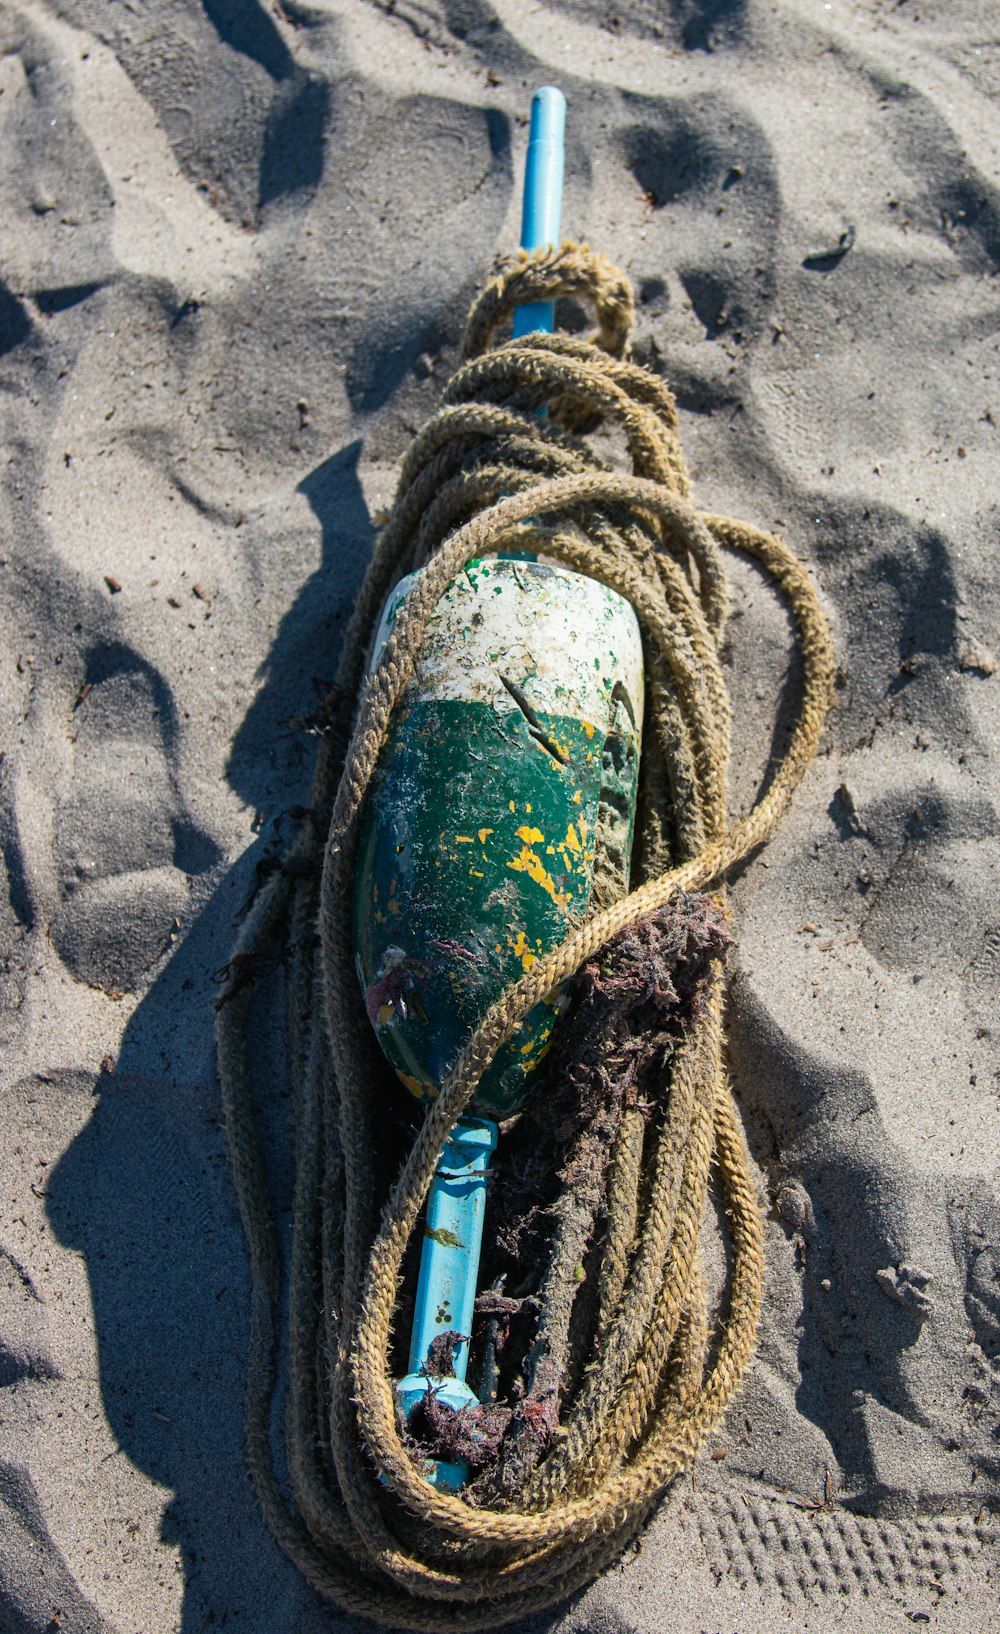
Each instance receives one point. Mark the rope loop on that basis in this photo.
(658, 1368)
(573, 272)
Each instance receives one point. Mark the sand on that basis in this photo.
(238, 242)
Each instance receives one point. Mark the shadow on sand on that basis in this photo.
(144, 1191)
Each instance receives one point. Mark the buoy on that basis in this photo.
(602, 1363)
(504, 798)
(502, 809)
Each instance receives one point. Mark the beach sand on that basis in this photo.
(237, 244)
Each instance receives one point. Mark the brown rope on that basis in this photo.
(360, 1521)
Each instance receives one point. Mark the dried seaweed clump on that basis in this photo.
(537, 1323)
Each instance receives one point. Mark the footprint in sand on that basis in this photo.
(709, 163)
(125, 849)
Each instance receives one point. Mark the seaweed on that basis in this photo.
(631, 1006)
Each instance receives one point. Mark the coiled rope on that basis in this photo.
(353, 1511)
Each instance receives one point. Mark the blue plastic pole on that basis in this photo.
(456, 1201)
(454, 1232)
(543, 188)
(449, 1269)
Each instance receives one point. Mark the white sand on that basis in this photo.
(237, 242)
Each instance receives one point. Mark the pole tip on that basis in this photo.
(548, 115)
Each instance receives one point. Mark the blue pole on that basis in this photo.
(446, 1286)
(446, 1289)
(456, 1201)
(543, 188)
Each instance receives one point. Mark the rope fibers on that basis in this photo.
(350, 1507)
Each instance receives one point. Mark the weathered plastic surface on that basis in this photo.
(446, 1288)
(508, 781)
(453, 1232)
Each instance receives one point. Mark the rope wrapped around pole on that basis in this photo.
(354, 1512)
